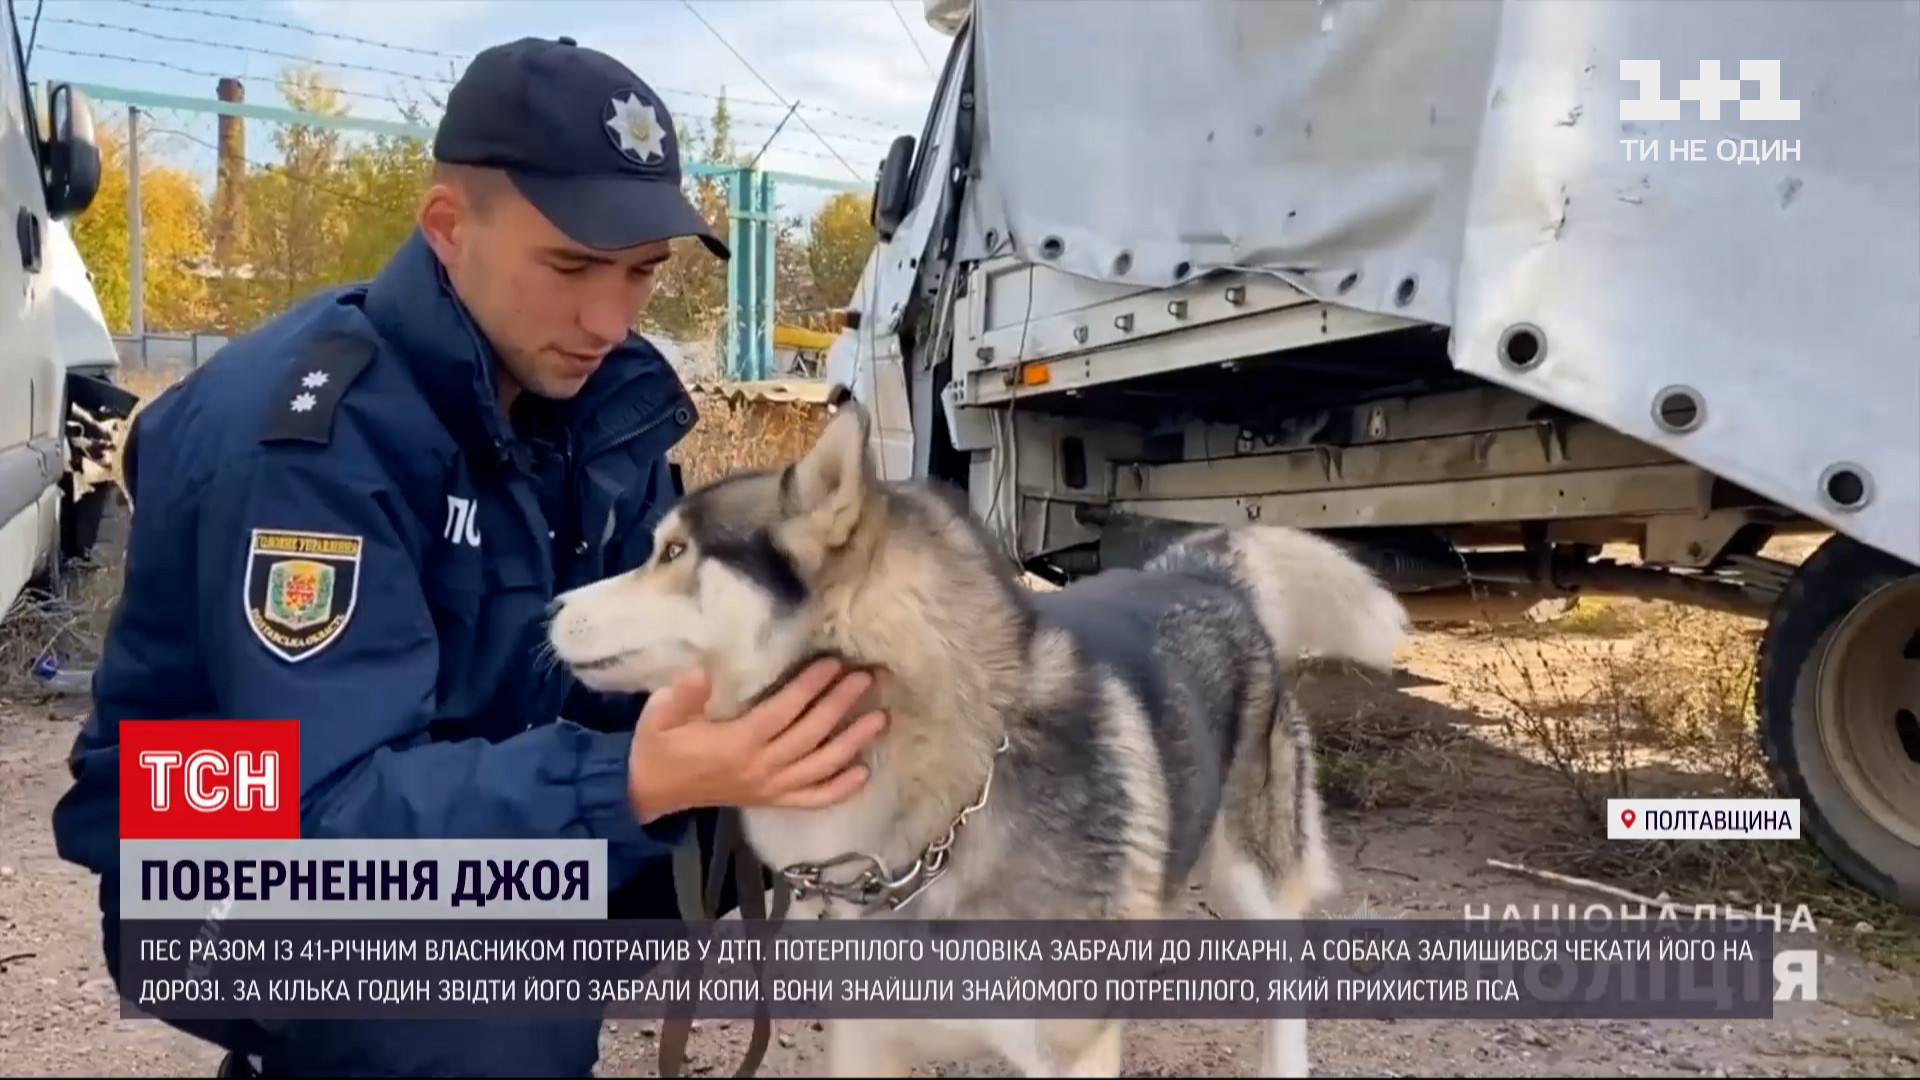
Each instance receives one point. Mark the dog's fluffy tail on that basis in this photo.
(1312, 597)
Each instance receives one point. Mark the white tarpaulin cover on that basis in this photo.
(1475, 149)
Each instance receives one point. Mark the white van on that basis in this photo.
(42, 182)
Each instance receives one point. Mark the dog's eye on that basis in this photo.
(672, 551)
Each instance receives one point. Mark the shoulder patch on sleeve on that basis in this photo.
(302, 410)
(301, 589)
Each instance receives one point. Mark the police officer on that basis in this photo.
(357, 515)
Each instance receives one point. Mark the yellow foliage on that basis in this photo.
(329, 214)
(838, 242)
(690, 301)
(173, 239)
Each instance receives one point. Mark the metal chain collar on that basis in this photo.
(874, 886)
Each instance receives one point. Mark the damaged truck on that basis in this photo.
(1484, 289)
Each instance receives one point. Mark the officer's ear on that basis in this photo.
(457, 196)
(439, 222)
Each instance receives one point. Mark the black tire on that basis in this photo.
(1830, 585)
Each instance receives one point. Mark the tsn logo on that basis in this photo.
(210, 780)
(248, 786)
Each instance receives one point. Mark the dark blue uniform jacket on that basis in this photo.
(425, 708)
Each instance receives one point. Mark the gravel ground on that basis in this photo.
(59, 1016)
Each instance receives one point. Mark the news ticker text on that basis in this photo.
(882, 968)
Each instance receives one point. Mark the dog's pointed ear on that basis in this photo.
(832, 483)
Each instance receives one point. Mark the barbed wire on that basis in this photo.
(352, 39)
(395, 99)
(752, 124)
(791, 108)
(256, 20)
(298, 58)
(184, 70)
(833, 153)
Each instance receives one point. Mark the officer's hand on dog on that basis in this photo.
(778, 753)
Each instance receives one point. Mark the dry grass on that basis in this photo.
(70, 628)
(735, 434)
(1379, 750)
(1647, 699)
(1615, 698)
(1613, 702)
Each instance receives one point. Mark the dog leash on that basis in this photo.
(699, 902)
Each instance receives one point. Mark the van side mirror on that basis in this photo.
(73, 153)
(892, 192)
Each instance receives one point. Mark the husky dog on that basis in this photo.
(1077, 754)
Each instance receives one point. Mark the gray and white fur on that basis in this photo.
(1151, 734)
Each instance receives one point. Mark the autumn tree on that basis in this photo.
(330, 212)
(385, 181)
(796, 301)
(690, 302)
(173, 237)
(295, 227)
(839, 239)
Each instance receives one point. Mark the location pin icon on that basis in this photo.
(1626, 818)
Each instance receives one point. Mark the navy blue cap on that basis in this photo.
(591, 146)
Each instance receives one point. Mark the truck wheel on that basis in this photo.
(1839, 695)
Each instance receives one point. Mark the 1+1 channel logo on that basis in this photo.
(1710, 91)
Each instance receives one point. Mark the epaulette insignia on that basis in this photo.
(303, 407)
